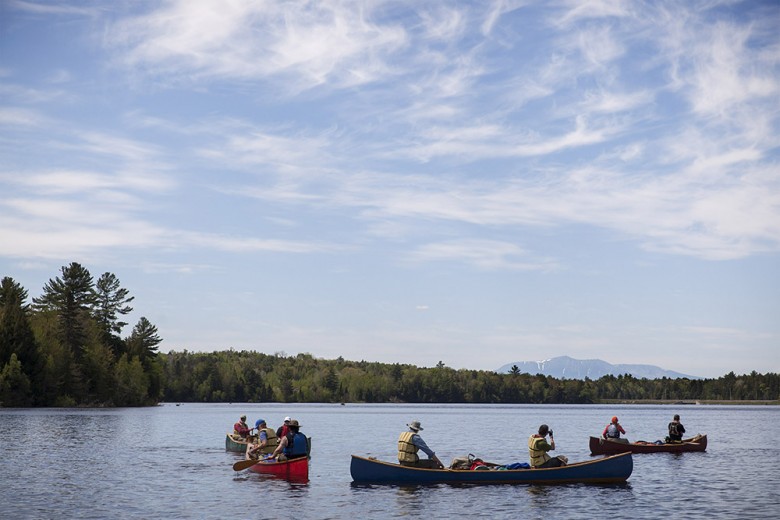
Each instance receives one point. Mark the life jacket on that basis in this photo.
(537, 455)
(674, 431)
(407, 451)
(297, 445)
(272, 440)
(240, 429)
(612, 431)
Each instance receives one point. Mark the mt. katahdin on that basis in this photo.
(564, 367)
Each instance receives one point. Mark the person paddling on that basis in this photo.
(409, 443)
(613, 430)
(676, 430)
(267, 441)
(292, 445)
(241, 428)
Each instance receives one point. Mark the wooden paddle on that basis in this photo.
(244, 464)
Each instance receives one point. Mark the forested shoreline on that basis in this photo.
(65, 349)
(249, 376)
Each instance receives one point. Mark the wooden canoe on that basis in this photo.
(293, 469)
(607, 470)
(238, 445)
(235, 443)
(599, 446)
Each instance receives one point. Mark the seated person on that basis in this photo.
(241, 428)
(265, 442)
(613, 430)
(409, 443)
(538, 448)
(676, 430)
(292, 445)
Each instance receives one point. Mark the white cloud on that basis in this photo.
(309, 44)
(54, 9)
(482, 254)
(13, 116)
(576, 10)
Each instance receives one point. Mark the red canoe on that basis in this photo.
(599, 446)
(292, 469)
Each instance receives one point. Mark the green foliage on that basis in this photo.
(65, 349)
(232, 376)
(111, 300)
(144, 340)
(15, 388)
(16, 335)
(132, 383)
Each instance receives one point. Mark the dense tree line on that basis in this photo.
(65, 348)
(231, 376)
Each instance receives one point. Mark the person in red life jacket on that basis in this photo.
(292, 445)
(241, 428)
(538, 448)
(613, 430)
(409, 443)
(284, 429)
(676, 430)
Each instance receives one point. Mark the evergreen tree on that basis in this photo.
(143, 341)
(16, 335)
(111, 301)
(15, 388)
(72, 297)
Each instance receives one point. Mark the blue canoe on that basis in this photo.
(608, 470)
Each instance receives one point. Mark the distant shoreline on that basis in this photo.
(768, 402)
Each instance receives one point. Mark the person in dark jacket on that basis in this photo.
(676, 430)
(293, 445)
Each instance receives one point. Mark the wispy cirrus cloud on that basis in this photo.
(22, 117)
(482, 254)
(306, 43)
(445, 127)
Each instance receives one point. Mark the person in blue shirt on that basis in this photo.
(265, 442)
(409, 443)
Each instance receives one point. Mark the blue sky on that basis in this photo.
(469, 182)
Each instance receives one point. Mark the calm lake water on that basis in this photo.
(170, 462)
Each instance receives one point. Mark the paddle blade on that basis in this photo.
(243, 464)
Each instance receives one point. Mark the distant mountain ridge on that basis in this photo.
(564, 367)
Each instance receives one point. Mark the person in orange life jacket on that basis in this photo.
(538, 448)
(293, 445)
(282, 430)
(409, 443)
(241, 428)
(613, 430)
(676, 430)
